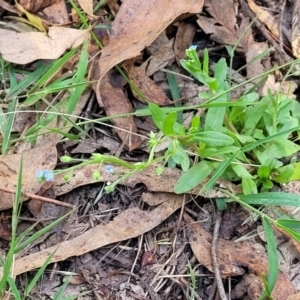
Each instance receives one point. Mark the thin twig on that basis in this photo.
(39, 198)
(216, 266)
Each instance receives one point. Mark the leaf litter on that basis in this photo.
(136, 26)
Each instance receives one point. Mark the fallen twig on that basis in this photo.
(37, 197)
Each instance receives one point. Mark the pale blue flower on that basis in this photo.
(193, 47)
(39, 175)
(109, 169)
(48, 175)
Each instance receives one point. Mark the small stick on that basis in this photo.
(216, 266)
(37, 197)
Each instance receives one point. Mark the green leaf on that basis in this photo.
(6, 124)
(291, 232)
(193, 177)
(212, 138)
(220, 73)
(206, 152)
(281, 148)
(269, 138)
(215, 115)
(272, 198)
(168, 124)
(283, 174)
(296, 171)
(241, 171)
(27, 81)
(263, 172)
(272, 255)
(218, 172)
(158, 116)
(290, 223)
(195, 124)
(249, 186)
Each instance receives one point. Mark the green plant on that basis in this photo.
(243, 141)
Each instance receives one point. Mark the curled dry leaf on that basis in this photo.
(116, 103)
(136, 26)
(23, 48)
(43, 157)
(129, 224)
(234, 257)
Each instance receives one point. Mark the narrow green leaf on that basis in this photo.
(57, 65)
(249, 187)
(27, 81)
(272, 198)
(38, 275)
(79, 79)
(291, 224)
(215, 115)
(291, 232)
(212, 138)
(272, 255)
(14, 290)
(175, 94)
(168, 124)
(218, 173)
(158, 115)
(220, 73)
(241, 171)
(268, 139)
(193, 177)
(7, 123)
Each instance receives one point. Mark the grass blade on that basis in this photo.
(272, 198)
(272, 256)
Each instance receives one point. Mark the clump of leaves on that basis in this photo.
(242, 141)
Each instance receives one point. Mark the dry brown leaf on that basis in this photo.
(223, 14)
(115, 103)
(87, 7)
(5, 5)
(294, 297)
(160, 58)
(184, 37)
(23, 48)
(129, 224)
(136, 26)
(56, 14)
(35, 5)
(147, 87)
(153, 199)
(234, 257)
(43, 157)
(252, 49)
(295, 40)
(153, 182)
(265, 17)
